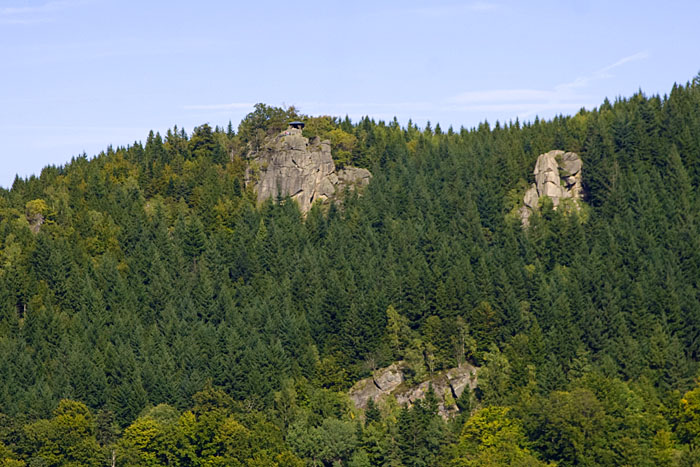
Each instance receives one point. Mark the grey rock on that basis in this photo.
(35, 222)
(413, 394)
(383, 381)
(557, 176)
(547, 172)
(525, 213)
(460, 378)
(388, 382)
(531, 197)
(352, 176)
(291, 165)
(389, 378)
(363, 391)
(571, 163)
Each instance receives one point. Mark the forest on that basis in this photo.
(152, 314)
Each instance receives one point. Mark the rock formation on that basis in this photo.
(557, 176)
(35, 213)
(35, 222)
(389, 382)
(291, 165)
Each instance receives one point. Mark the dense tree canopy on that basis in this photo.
(151, 311)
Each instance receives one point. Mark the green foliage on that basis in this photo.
(342, 146)
(421, 432)
(207, 435)
(264, 121)
(397, 331)
(492, 437)
(494, 377)
(689, 418)
(320, 127)
(68, 438)
(343, 143)
(36, 207)
(154, 275)
(203, 143)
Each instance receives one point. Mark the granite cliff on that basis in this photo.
(390, 382)
(558, 177)
(290, 164)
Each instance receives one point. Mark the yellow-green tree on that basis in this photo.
(68, 438)
(689, 418)
(490, 438)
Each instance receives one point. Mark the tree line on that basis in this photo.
(149, 307)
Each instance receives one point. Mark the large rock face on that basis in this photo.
(291, 165)
(557, 176)
(389, 382)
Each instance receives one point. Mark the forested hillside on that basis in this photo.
(151, 311)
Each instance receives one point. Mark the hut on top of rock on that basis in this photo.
(290, 165)
(294, 128)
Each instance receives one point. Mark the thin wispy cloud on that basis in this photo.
(230, 106)
(40, 13)
(632, 58)
(521, 102)
(603, 73)
(569, 96)
(527, 102)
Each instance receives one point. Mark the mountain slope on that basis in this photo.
(154, 276)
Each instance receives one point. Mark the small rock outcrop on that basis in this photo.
(557, 176)
(291, 165)
(35, 222)
(448, 386)
(353, 176)
(35, 213)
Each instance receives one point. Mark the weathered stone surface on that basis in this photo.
(363, 391)
(410, 396)
(557, 176)
(525, 213)
(460, 378)
(448, 385)
(35, 222)
(571, 163)
(532, 197)
(354, 176)
(291, 165)
(383, 381)
(389, 378)
(547, 173)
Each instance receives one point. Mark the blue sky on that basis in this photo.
(78, 75)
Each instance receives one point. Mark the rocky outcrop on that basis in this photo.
(291, 165)
(383, 381)
(557, 176)
(388, 382)
(35, 222)
(35, 213)
(388, 379)
(354, 176)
